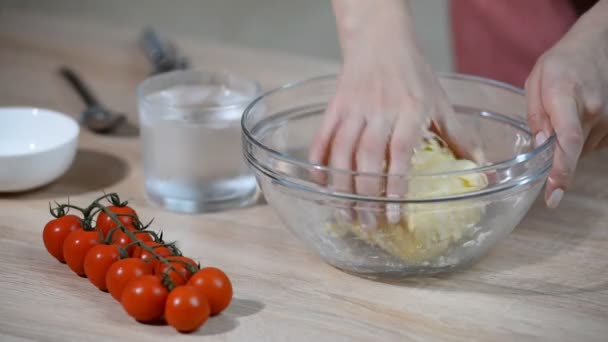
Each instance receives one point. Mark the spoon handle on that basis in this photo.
(162, 54)
(80, 87)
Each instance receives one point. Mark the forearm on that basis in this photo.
(369, 25)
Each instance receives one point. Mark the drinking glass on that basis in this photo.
(191, 140)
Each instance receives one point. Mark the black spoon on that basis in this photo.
(162, 54)
(96, 117)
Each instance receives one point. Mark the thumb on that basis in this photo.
(538, 121)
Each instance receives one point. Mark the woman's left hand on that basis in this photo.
(567, 94)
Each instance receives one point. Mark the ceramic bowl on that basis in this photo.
(37, 146)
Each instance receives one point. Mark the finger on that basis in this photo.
(320, 149)
(565, 116)
(538, 120)
(370, 157)
(371, 154)
(603, 143)
(597, 134)
(341, 157)
(404, 139)
(342, 152)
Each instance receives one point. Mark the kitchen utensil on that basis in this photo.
(435, 233)
(37, 146)
(96, 117)
(162, 54)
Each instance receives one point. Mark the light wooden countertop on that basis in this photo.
(548, 280)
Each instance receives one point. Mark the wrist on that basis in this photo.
(375, 27)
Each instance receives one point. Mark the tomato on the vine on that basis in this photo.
(158, 248)
(97, 262)
(144, 298)
(141, 282)
(179, 263)
(56, 231)
(122, 272)
(216, 285)
(186, 308)
(121, 238)
(105, 222)
(76, 246)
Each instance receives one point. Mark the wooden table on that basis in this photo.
(548, 280)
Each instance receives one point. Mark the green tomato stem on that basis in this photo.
(130, 234)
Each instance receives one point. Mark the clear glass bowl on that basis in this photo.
(451, 231)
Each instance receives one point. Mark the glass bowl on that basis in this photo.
(436, 233)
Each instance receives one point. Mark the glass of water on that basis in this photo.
(191, 140)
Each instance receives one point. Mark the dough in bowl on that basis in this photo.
(427, 229)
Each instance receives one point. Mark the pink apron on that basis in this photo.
(502, 39)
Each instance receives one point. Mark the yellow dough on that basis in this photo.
(427, 229)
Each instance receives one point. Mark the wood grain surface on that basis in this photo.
(547, 281)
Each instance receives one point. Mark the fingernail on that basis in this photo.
(555, 197)
(367, 220)
(540, 138)
(393, 213)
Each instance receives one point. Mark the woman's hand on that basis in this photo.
(567, 94)
(386, 98)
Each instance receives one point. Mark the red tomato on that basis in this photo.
(122, 272)
(179, 263)
(105, 222)
(121, 239)
(215, 285)
(144, 298)
(97, 262)
(186, 308)
(76, 246)
(159, 249)
(55, 232)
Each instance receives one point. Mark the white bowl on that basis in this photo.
(37, 146)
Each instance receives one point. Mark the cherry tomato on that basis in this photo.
(186, 308)
(179, 263)
(97, 262)
(55, 232)
(105, 222)
(215, 285)
(121, 239)
(122, 272)
(144, 298)
(76, 246)
(159, 249)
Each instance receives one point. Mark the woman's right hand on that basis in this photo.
(386, 99)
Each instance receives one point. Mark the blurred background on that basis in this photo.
(293, 26)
